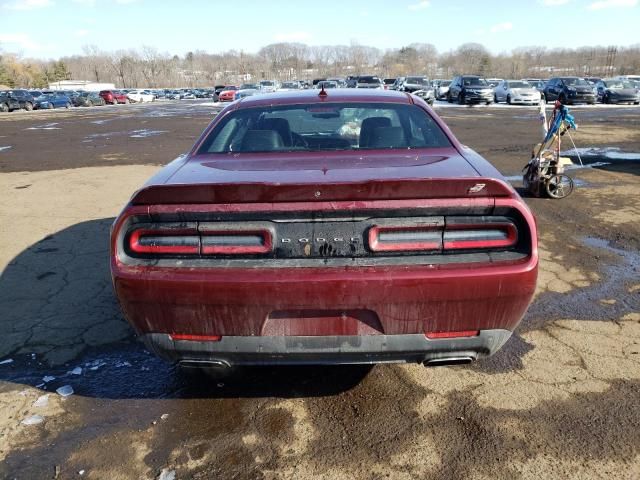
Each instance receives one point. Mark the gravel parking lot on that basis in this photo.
(560, 400)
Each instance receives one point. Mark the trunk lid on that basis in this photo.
(321, 176)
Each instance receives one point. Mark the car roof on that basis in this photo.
(334, 96)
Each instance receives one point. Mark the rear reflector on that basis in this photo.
(195, 338)
(462, 333)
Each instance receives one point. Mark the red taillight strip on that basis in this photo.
(377, 246)
(137, 247)
(195, 338)
(265, 246)
(462, 333)
(459, 244)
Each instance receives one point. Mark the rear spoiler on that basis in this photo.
(203, 193)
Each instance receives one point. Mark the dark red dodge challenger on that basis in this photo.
(346, 226)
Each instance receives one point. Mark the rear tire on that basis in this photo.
(50, 107)
(495, 99)
(509, 99)
(461, 100)
(4, 107)
(68, 106)
(28, 106)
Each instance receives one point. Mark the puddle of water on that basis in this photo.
(8, 147)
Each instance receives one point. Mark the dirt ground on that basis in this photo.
(560, 400)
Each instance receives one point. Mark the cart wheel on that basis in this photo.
(559, 186)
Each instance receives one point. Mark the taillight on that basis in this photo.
(481, 235)
(405, 238)
(165, 241)
(224, 242)
(450, 233)
(193, 239)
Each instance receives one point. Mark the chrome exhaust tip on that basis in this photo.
(443, 361)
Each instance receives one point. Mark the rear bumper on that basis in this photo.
(327, 350)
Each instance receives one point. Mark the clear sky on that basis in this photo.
(54, 28)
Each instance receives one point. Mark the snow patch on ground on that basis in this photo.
(46, 126)
(612, 153)
(146, 133)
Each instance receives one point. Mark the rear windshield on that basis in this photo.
(519, 85)
(340, 126)
(468, 81)
(368, 80)
(417, 80)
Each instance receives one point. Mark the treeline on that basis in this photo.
(147, 67)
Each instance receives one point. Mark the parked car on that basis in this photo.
(268, 86)
(88, 99)
(17, 99)
(413, 84)
(442, 89)
(8, 103)
(40, 100)
(326, 84)
(369, 81)
(58, 100)
(470, 89)
(494, 81)
(427, 94)
(388, 83)
(114, 96)
(140, 96)
(228, 94)
(569, 90)
(516, 91)
(611, 90)
(290, 86)
(218, 259)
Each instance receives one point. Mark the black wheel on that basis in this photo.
(509, 99)
(545, 99)
(50, 106)
(495, 98)
(636, 103)
(449, 99)
(28, 106)
(559, 186)
(461, 99)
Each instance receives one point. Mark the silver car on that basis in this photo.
(516, 91)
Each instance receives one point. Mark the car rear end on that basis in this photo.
(423, 258)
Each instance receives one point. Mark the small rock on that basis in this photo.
(164, 416)
(48, 378)
(167, 474)
(154, 423)
(123, 364)
(460, 418)
(75, 371)
(7, 361)
(33, 420)
(65, 390)
(80, 472)
(220, 385)
(42, 401)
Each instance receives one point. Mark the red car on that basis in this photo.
(114, 96)
(228, 94)
(346, 226)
